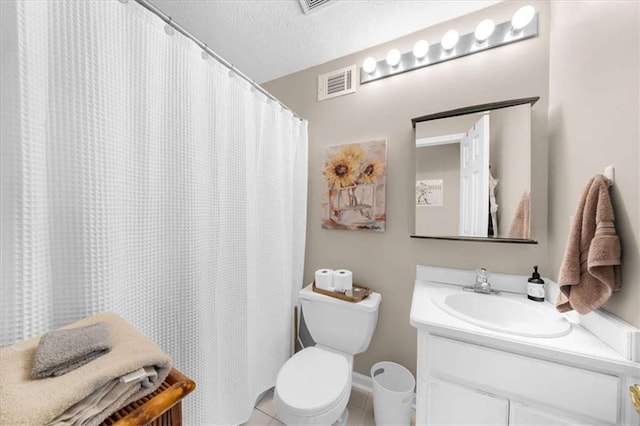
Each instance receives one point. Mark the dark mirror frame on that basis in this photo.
(471, 110)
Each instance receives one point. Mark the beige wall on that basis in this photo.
(383, 109)
(594, 120)
(440, 162)
(447, 126)
(510, 160)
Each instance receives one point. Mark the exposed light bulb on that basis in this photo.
(484, 30)
(393, 57)
(450, 39)
(369, 65)
(522, 17)
(420, 49)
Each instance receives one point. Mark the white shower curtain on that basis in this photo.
(142, 178)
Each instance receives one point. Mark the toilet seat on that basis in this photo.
(314, 384)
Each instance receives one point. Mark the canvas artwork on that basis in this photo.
(355, 183)
(429, 192)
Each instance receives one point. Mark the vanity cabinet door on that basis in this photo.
(451, 404)
(522, 415)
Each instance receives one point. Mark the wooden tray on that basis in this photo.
(356, 295)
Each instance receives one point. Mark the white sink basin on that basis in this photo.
(512, 314)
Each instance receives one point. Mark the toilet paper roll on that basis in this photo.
(324, 279)
(342, 280)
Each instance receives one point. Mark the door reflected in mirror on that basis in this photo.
(473, 173)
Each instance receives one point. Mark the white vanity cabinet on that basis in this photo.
(451, 404)
(523, 415)
(464, 383)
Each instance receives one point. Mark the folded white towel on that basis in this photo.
(112, 394)
(96, 385)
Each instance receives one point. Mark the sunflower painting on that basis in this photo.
(355, 180)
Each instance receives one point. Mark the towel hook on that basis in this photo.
(610, 174)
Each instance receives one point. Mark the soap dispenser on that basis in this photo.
(535, 286)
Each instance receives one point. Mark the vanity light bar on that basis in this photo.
(467, 44)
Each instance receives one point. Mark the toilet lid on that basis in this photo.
(312, 380)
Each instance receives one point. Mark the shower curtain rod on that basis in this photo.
(167, 19)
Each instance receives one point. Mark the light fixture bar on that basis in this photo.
(467, 45)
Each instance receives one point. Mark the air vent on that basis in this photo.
(336, 83)
(309, 6)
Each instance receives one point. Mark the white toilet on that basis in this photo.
(314, 385)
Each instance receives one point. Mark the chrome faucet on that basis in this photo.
(481, 285)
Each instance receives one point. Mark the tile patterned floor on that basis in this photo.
(360, 411)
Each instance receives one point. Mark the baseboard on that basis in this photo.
(362, 383)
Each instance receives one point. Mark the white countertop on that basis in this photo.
(578, 348)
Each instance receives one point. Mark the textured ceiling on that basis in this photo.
(267, 39)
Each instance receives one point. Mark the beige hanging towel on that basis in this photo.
(520, 224)
(590, 270)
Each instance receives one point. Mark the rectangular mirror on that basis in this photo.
(473, 173)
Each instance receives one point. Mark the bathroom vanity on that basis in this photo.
(500, 359)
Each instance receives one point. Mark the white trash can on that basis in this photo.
(392, 394)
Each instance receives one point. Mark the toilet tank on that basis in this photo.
(345, 326)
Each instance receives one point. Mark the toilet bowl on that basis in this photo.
(313, 388)
(314, 385)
